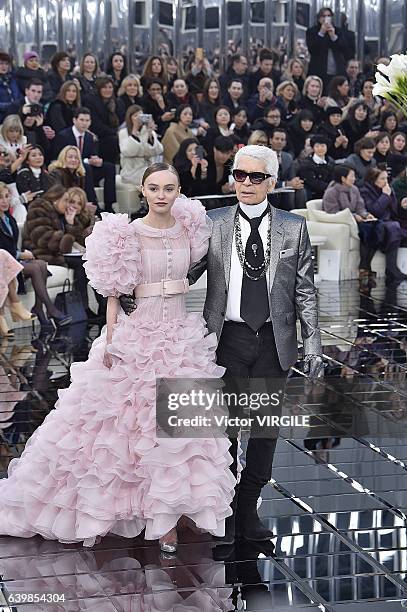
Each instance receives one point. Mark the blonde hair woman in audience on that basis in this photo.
(78, 201)
(312, 98)
(286, 93)
(68, 169)
(12, 135)
(258, 137)
(130, 92)
(296, 73)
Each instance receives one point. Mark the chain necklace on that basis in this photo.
(241, 253)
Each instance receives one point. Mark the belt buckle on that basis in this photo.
(163, 281)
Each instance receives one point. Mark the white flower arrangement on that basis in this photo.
(391, 82)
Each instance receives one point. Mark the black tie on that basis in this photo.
(254, 302)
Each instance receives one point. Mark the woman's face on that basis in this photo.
(190, 152)
(62, 204)
(383, 146)
(390, 124)
(156, 66)
(161, 189)
(71, 94)
(213, 91)
(320, 149)
(367, 89)
(296, 69)
(306, 124)
(132, 89)
(360, 113)
(335, 120)
(367, 154)
(135, 119)
(32, 63)
(35, 158)
(399, 143)
(75, 202)
(381, 180)
(89, 64)
(5, 199)
(72, 160)
(186, 116)
(288, 92)
(223, 117)
(350, 179)
(64, 64)
(172, 67)
(343, 89)
(117, 63)
(13, 134)
(180, 88)
(106, 91)
(240, 119)
(314, 89)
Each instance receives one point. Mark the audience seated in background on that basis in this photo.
(218, 173)
(12, 136)
(240, 126)
(33, 176)
(129, 93)
(221, 128)
(267, 60)
(10, 95)
(154, 68)
(116, 69)
(287, 92)
(332, 130)
(61, 111)
(211, 101)
(177, 131)
(32, 70)
(234, 98)
(31, 113)
(67, 169)
(59, 72)
(105, 121)
(317, 170)
(88, 73)
(394, 163)
(362, 159)
(286, 174)
(192, 168)
(262, 100)
(154, 103)
(312, 98)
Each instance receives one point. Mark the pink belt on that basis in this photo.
(164, 288)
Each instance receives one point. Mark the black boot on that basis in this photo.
(392, 271)
(230, 525)
(249, 526)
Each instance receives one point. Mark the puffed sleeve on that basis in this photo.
(193, 217)
(113, 256)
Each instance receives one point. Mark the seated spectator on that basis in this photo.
(179, 95)
(331, 128)
(218, 172)
(373, 102)
(32, 268)
(399, 187)
(177, 132)
(338, 95)
(399, 143)
(173, 70)
(295, 73)
(356, 125)
(394, 163)
(381, 202)
(355, 77)
(116, 69)
(342, 193)
(312, 98)
(240, 127)
(105, 121)
(286, 174)
(211, 101)
(267, 59)
(12, 135)
(317, 170)
(88, 73)
(67, 169)
(8, 172)
(10, 95)
(32, 117)
(362, 159)
(61, 111)
(59, 73)
(95, 167)
(299, 129)
(33, 176)
(262, 100)
(154, 103)
(50, 231)
(389, 122)
(198, 71)
(84, 219)
(238, 69)
(154, 69)
(222, 127)
(129, 94)
(234, 97)
(9, 271)
(139, 146)
(192, 168)
(326, 46)
(32, 70)
(270, 120)
(287, 92)
(258, 137)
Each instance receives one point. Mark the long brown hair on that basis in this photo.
(147, 72)
(54, 193)
(132, 110)
(64, 88)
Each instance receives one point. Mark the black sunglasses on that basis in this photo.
(255, 177)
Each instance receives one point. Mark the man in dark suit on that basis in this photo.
(96, 169)
(286, 174)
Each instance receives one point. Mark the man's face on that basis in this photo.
(241, 66)
(4, 67)
(222, 157)
(353, 69)
(278, 141)
(247, 192)
(235, 90)
(82, 122)
(34, 94)
(266, 66)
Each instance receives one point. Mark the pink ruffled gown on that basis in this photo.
(95, 465)
(9, 269)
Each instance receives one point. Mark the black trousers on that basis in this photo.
(106, 171)
(246, 354)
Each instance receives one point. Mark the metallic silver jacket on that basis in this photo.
(292, 291)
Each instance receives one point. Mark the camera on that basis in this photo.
(200, 152)
(35, 110)
(194, 124)
(144, 118)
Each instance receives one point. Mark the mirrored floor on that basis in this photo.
(337, 501)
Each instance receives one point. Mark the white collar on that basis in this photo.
(36, 172)
(254, 210)
(76, 132)
(318, 160)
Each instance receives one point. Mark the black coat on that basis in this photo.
(101, 117)
(305, 103)
(9, 243)
(26, 181)
(318, 48)
(123, 103)
(24, 75)
(59, 115)
(67, 138)
(331, 132)
(316, 177)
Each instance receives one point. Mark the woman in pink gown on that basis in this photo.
(9, 270)
(95, 466)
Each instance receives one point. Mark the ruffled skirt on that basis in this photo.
(9, 269)
(95, 465)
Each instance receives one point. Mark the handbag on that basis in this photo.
(70, 303)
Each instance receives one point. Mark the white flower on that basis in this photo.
(391, 81)
(382, 85)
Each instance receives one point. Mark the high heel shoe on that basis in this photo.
(19, 313)
(39, 313)
(5, 331)
(169, 542)
(60, 320)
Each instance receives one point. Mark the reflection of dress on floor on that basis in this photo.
(95, 465)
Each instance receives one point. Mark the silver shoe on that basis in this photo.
(166, 547)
